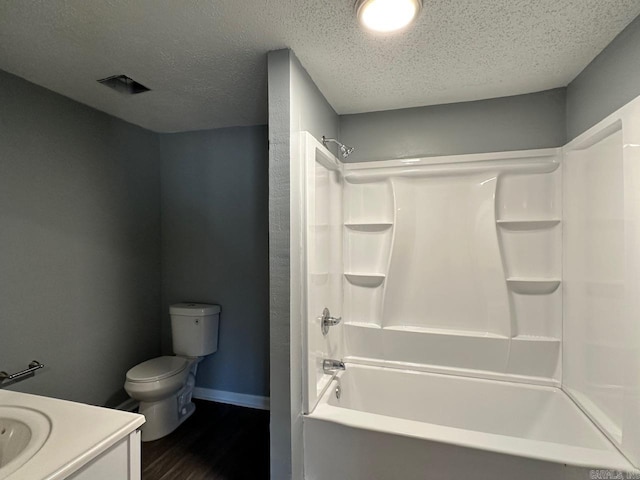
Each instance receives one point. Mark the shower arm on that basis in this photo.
(344, 149)
(326, 140)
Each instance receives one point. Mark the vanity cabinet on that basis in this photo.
(120, 462)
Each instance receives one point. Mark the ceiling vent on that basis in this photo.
(124, 84)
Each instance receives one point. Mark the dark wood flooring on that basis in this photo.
(218, 442)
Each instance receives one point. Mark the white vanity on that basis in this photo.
(43, 438)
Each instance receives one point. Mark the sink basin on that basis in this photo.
(23, 431)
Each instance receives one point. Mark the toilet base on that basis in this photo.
(163, 417)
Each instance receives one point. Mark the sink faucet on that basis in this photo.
(330, 366)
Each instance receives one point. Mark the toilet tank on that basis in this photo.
(194, 328)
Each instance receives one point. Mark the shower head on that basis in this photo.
(344, 149)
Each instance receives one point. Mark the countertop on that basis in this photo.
(79, 433)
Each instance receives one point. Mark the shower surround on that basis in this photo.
(434, 268)
(459, 348)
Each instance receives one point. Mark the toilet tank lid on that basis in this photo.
(193, 309)
(157, 369)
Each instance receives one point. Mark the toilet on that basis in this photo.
(164, 385)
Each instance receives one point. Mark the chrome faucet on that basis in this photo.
(330, 366)
(326, 321)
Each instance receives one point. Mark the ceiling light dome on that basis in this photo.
(387, 15)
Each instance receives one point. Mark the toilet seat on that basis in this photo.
(157, 369)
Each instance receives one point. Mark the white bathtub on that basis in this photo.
(396, 424)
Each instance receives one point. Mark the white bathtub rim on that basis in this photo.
(545, 451)
(515, 446)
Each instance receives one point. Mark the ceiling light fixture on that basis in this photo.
(387, 15)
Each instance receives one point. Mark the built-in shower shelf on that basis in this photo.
(370, 280)
(528, 224)
(536, 338)
(369, 227)
(533, 286)
(357, 324)
(445, 331)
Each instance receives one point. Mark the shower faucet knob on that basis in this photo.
(326, 321)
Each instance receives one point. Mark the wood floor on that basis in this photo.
(218, 442)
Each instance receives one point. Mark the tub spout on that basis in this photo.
(332, 366)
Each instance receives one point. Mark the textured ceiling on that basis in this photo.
(205, 60)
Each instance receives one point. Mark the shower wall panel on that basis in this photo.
(454, 263)
(446, 270)
(601, 346)
(321, 206)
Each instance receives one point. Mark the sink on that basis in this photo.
(23, 431)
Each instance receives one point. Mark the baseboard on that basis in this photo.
(240, 399)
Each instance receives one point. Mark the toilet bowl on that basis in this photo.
(164, 385)
(158, 378)
(163, 388)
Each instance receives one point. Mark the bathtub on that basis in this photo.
(390, 424)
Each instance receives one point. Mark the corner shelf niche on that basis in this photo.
(533, 286)
(524, 225)
(367, 237)
(528, 224)
(536, 338)
(369, 227)
(369, 280)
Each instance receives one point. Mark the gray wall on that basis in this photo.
(610, 81)
(295, 104)
(278, 66)
(538, 120)
(79, 244)
(520, 122)
(310, 111)
(215, 247)
(81, 238)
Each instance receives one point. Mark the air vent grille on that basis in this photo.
(124, 84)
